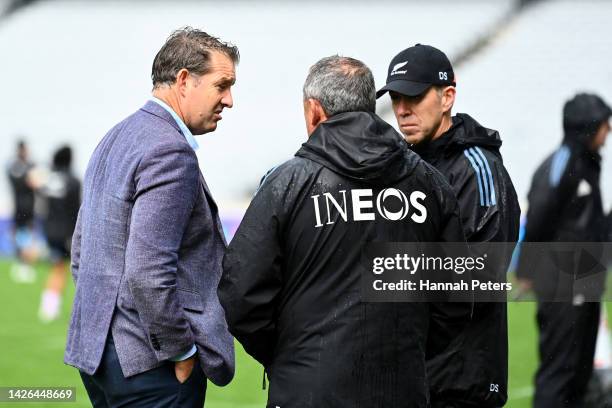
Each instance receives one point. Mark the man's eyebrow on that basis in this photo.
(231, 80)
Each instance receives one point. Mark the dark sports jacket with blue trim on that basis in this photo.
(565, 205)
(468, 155)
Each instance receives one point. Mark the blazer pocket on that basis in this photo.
(190, 300)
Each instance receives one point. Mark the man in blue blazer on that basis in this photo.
(147, 328)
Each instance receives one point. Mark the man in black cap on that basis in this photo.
(565, 205)
(421, 83)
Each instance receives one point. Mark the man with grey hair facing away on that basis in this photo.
(147, 328)
(291, 284)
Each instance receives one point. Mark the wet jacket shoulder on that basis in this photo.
(468, 155)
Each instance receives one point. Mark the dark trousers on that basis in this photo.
(156, 388)
(568, 335)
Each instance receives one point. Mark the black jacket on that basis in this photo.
(565, 205)
(565, 199)
(468, 155)
(291, 276)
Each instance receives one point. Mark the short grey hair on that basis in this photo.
(341, 84)
(188, 48)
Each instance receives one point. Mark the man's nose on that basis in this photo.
(227, 100)
(404, 108)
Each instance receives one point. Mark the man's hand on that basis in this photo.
(183, 369)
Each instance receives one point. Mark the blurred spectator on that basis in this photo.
(61, 191)
(565, 205)
(23, 216)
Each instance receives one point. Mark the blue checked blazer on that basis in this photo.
(146, 254)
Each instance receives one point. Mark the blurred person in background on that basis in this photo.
(565, 205)
(147, 328)
(421, 84)
(23, 216)
(291, 285)
(61, 193)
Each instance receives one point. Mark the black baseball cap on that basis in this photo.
(582, 116)
(414, 70)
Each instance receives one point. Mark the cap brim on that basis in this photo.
(408, 88)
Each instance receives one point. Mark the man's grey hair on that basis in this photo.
(341, 84)
(188, 48)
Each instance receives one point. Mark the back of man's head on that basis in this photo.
(22, 150)
(188, 48)
(582, 117)
(62, 159)
(341, 84)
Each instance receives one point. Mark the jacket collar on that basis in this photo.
(155, 109)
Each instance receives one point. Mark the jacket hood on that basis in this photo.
(464, 132)
(360, 146)
(582, 116)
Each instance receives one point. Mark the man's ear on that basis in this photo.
(314, 114)
(448, 98)
(181, 80)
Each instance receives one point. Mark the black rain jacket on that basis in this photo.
(476, 373)
(291, 275)
(565, 205)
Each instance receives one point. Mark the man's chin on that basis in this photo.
(209, 128)
(413, 139)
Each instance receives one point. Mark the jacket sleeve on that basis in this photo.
(166, 185)
(251, 280)
(480, 186)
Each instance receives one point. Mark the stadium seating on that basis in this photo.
(87, 65)
(519, 84)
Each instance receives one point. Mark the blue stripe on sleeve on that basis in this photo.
(477, 171)
(473, 155)
(559, 163)
(489, 175)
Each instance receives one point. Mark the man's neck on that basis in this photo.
(169, 97)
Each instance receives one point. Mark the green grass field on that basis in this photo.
(32, 352)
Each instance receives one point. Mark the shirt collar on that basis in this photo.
(186, 132)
